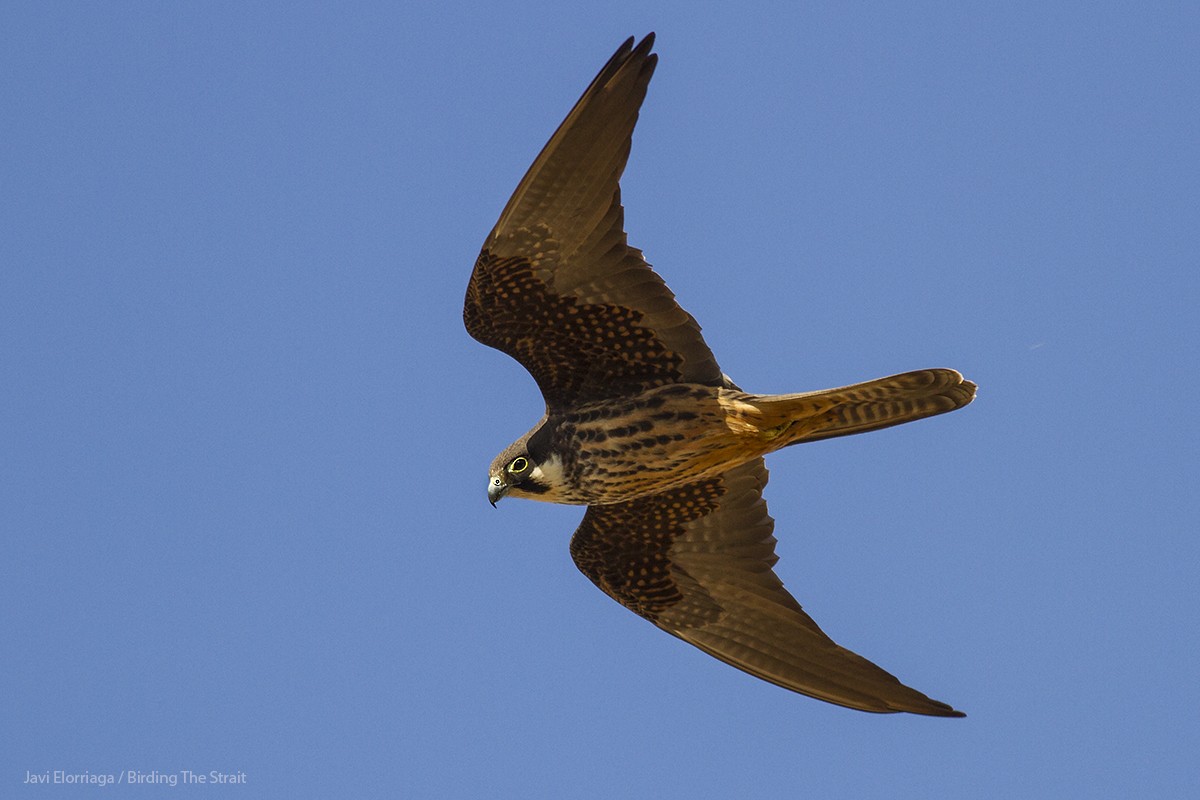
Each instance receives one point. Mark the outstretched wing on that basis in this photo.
(557, 287)
(696, 561)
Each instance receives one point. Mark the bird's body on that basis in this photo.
(642, 426)
(610, 451)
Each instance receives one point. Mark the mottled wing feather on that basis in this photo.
(696, 561)
(557, 286)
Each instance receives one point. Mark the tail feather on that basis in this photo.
(862, 407)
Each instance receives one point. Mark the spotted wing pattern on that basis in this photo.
(557, 286)
(696, 561)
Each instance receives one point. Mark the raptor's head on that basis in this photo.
(525, 470)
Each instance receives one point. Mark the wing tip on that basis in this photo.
(626, 53)
(938, 710)
(915, 703)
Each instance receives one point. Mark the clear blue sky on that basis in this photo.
(244, 436)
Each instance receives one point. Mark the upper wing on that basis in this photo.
(696, 561)
(557, 287)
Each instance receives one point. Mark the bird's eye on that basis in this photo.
(519, 464)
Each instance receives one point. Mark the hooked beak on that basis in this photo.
(497, 488)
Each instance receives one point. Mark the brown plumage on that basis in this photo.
(642, 426)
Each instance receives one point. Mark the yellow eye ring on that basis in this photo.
(519, 464)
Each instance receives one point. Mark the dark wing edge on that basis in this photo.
(588, 151)
(696, 561)
(560, 245)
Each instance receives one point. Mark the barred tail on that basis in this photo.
(869, 406)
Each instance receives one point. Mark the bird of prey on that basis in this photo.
(643, 428)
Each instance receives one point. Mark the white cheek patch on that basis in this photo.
(548, 473)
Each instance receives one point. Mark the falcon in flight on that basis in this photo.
(642, 427)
